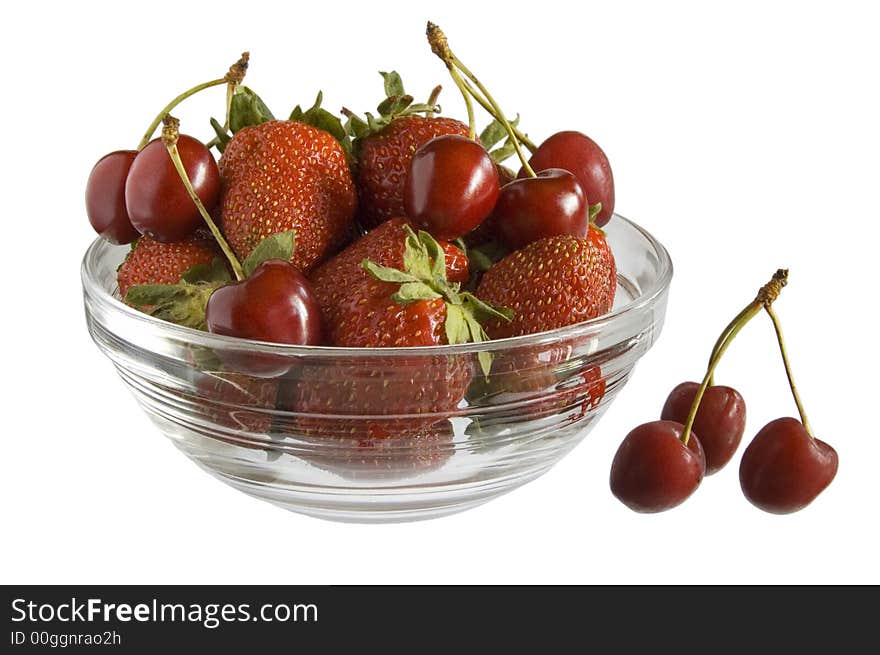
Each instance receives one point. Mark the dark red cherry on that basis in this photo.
(580, 155)
(533, 208)
(451, 186)
(105, 197)
(157, 200)
(784, 468)
(720, 420)
(276, 304)
(653, 470)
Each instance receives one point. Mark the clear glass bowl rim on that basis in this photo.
(95, 291)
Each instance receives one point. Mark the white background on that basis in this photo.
(744, 138)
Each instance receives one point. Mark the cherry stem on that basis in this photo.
(170, 134)
(765, 298)
(440, 47)
(148, 135)
(797, 399)
(462, 86)
(232, 79)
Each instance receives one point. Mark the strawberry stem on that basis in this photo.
(797, 399)
(170, 134)
(432, 101)
(765, 298)
(232, 79)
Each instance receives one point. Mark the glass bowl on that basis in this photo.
(391, 434)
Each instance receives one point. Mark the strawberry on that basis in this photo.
(342, 280)
(551, 283)
(286, 175)
(383, 161)
(151, 262)
(384, 145)
(385, 458)
(236, 401)
(373, 305)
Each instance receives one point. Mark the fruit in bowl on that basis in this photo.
(383, 375)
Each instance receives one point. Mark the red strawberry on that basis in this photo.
(342, 280)
(151, 262)
(551, 283)
(415, 305)
(286, 175)
(386, 458)
(383, 161)
(237, 402)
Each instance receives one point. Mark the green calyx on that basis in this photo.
(182, 303)
(397, 103)
(495, 134)
(277, 246)
(317, 116)
(247, 109)
(423, 277)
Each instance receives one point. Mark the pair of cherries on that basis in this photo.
(661, 463)
(132, 193)
(166, 190)
(453, 184)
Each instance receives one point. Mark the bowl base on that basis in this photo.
(376, 505)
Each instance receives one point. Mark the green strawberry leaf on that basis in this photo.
(416, 259)
(280, 245)
(483, 311)
(247, 109)
(182, 303)
(222, 136)
(594, 211)
(479, 260)
(477, 335)
(493, 134)
(436, 253)
(386, 274)
(147, 295)
(393, 83)
(216, 271)
(356, 127)
(394, 105)
(413, 292)
(317, 116)
(456, 325)
(504, 152)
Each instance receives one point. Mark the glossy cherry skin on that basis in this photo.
(720, 420)
(580, 155)
(155, 197)
(784, 468)
(451, 186)
(275, 303)
(533, 208)
(653, 470)
(105, 197)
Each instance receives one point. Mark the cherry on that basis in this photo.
(784, 468)
(451, 187)
(653, 470)
(276, 303)
(105, 197)
(157, 201)
(533, 208)
(720, 419)
(579, 154)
